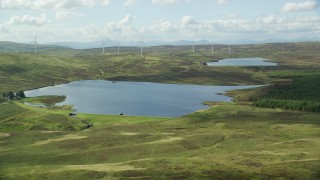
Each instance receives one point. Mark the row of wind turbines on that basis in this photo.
(193, 47)
(118, 45)
(35, 42)
(141, 47)
(103, 46)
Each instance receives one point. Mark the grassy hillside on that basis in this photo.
(165, 64)
(226, 141)
(25, 71)
(11, 47)
(17, 117)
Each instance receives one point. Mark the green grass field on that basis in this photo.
(226, 141)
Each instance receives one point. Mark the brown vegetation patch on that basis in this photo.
(64, 138)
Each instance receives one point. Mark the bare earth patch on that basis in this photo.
(293, 141)
(168, 140)
(265, 152)
(103, 167)
(49, 132)
(129, 134)
(65, 137)
(4, 135)
(99, 167)
(133, 134)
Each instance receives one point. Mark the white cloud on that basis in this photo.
(169, 2)
(121, 26)
(28, 20)
(164, 26)
(189, 20)
(129, 2)
(262, 27)
(271, 19)
(15, 4)
(312, 19)
(126, 21)
(222, 1)
(303, 6)
(48, 4)
(189, 27)
(62, 14)
(63, 4)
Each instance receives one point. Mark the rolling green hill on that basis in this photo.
(11, 47)
(226, 141)
(21, 71)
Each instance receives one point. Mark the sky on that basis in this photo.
(165, 20)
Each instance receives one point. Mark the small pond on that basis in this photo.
(136, 98)
(243, 62)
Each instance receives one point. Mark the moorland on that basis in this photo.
(265, 133)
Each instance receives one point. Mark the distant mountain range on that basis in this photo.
(7, 46)
(111, 43)
(28, 47)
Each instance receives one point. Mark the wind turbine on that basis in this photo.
(192, 46)
(229, 48)
(141, 46)
(35, 44)
(212, 47)
(102, 44)
(118, 47)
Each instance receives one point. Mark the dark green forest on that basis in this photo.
(302, 94)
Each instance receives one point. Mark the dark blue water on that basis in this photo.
(136, 98)
(242, 62)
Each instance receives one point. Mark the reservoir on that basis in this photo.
(242, 62)
(136, 98)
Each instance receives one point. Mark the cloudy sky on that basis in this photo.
(168, 20)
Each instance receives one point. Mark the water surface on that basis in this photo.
(136, 98)
(242, 62)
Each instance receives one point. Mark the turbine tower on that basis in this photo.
(118, 47)
(192, 46)
(102, 44)
(229, 48)
(35, 44)
(141, 45)
(212, 47)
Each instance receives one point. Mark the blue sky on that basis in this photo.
(167, 20)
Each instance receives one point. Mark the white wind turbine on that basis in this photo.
(192, 46)
(212, 47)
(118, 47)
(102, 45)
(229, 48)
(35, 44)
(141, 46)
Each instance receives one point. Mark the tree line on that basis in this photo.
(13, 95)
(303, 94)
(294, 74)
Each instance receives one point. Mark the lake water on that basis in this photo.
(136, 98)
(242, 62)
